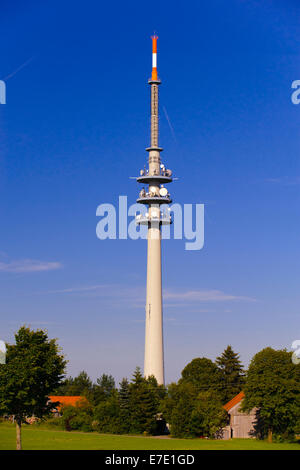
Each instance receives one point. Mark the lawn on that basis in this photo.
(41, 438)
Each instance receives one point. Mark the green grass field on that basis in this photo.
(41, 438)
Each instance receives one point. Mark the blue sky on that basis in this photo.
(74, 129)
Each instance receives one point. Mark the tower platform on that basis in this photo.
(147, 179)
(154, 200)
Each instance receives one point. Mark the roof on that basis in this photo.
(235, 400)
(67, 400)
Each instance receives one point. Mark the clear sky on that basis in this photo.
(74, 129)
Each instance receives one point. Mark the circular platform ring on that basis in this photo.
(154, 200)
(147, 179)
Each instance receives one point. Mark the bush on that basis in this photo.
(77, 418)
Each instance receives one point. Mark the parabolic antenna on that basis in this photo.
(163, 192)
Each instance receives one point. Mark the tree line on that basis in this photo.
(192, 407)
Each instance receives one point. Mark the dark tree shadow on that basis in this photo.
(258, 427)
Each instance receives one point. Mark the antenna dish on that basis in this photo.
(163, 192)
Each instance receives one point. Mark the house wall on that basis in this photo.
(241, 424)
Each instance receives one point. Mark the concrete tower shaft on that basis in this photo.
(154, 346)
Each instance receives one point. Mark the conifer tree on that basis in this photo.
(124, 401)
(80, 385)
(143, 404)
(103, 389)
(232, 374)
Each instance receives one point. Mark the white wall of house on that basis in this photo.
(241, 424)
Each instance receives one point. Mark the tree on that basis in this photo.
(80, 385)
(273, 386)
(103, 389)
(232, 373)
(170, 401)
(143, 404)
(203, 374)
(107, 414)
(208, 415)
(107, 383)
(124, 402)
(178, 407)
(193, 414)
(34, 368)
(158, 393)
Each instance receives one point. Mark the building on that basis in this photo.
(241, 424)
(62, 401)
(155, 176)
(76, 400)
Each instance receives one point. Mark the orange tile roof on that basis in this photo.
(235, 400)
(67, 400)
